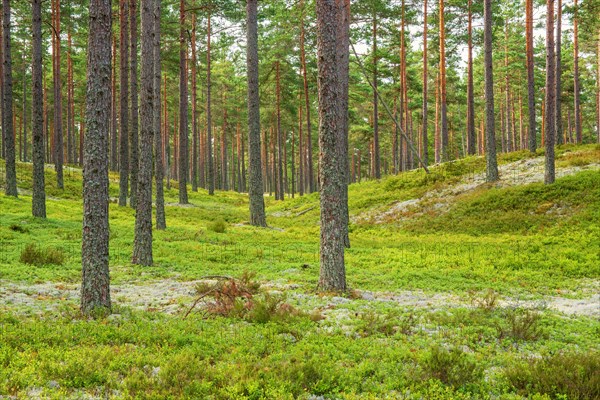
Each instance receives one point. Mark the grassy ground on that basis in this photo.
(495, 258)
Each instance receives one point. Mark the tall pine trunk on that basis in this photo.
(124, 103)
(7, 104)
(38, 203)
(309, 162)
(576, 88)
(490, 131)
(156, 123)
(532, 140)
(279, 193)
(134, 117)
(183, 108)
(471, 145)
(114, 159)
(558, 84)
(550, 120)
(142, 246)
(58, 133)
(377, 159)
(443, 104)
(194, 109)
(424, 138)
(209, 156)
(95, 286)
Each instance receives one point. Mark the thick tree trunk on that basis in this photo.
(124, 104)
(331, 174)
(576, 89)
(424, 138)
(549, 175)
(183, 108)
(38, 203)
(255, 178)
(58, 133)
(134, 118)
(142, 246)
(95, 286)
(532, 140)
(344, 78)
(209, 156)
(7, 104)
(490, 155)
(558, 84)
(156, 124)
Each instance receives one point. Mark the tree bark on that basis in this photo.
(124, 104)
(443, 105)
(134, 118)
(549, 174)
(183, 108)
(532, 140)
(509, 145)
(58, 133)
(576, 88)
(95, 287)
(70, 118)
(142, 246)
(490, 155)
(376, 156)
(310, 169)
(194, 109)
(224, 145)
(471, 145)
(209, 156)
(114, 160)
(156, 124)
(558, 84)
(38, 203)
(279, 193)
(331, 115)
(7, 104)
(425, 139)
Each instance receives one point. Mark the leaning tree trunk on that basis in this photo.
(156, 123)
(331, 115)
(124, 104)
(550, 94)
(95, 286)
(134, 117)
(532, 141)
(255, 178)
(183, 109)
(38, 203)
(142, 246)
(7, 104)
(490, 131)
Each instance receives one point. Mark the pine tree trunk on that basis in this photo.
(142, 246)
(558, 84)
(300, 153)
(425, 139)
(124, 104)
(95, 287)
(598, 89)
(344, 78)
(24, 118)
(576, 88)
(38, 203)
(156, 124)
(114, 160)
(279, 193)
(331, 175)
(549, 175)
(134, 117)
(490, 155)
(309, 162)
(443, 105)
(532, 140)
(377, 159)
(509, 145)
(183, 108)
(194, 109)
(58, 133)
(70, 138)
(224, 145)
(471, 145)
(209, 157)
(7, 104)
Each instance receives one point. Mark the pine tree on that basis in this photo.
(7, 104)
(156, 123)
(550, 120)
(532, 140)
(38, 206)
(124, 104)
(490, 142)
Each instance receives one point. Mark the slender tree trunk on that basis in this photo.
(509, 144)
(532, 140)
(300, 153)
(331, 115)
(521, 127)
(95, 287)
(114, 160)
(124, 104)
(70, 138)
(443, 105)
(576, 89)
(38, 203)
(209, 157)
(598, 89)
(7, 103)
(183, 108)
(425, 80)
(471, 145)
(194, 109)
(58, 133)
(549, 175)
(377, 159)
(343, 64)
(142, 246)
(558, 84)
(134, 118)
(309, 170)
(279, 193)
(437, 139)
(156, 124)
(24, 117)
(81, 134)
(491, 161)
(224, 145)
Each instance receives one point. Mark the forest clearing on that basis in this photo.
(300, 199)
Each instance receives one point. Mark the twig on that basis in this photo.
(197, 301)
(305, 211)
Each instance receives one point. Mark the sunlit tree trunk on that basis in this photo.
(377, 159)
(443, 105)
(209, 156)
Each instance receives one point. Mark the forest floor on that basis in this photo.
(459, 289)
